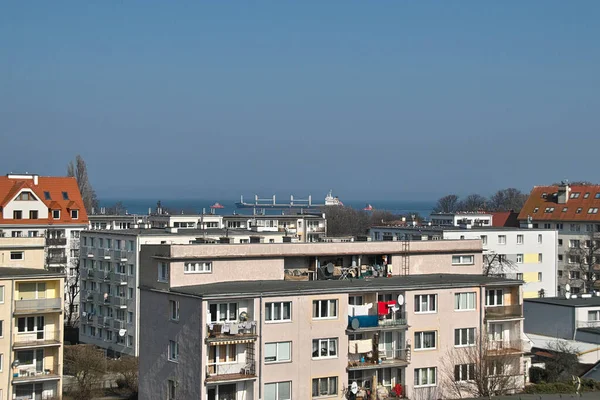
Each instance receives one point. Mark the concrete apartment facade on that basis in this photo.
(525, 254)
(31, 332)
(23, 252)
(244, 327)
(47, 207)
(572, 210)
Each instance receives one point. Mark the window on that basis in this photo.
(484, 239)
(464, 372)
(425, 340)
(74, 214)
(223, 312)
(586, 195)
(130, 317)
(323, 309)
(539, 257)
(278, 352)
(520, 239)
(425, 303)
(173, 351)
(560, 242)
(464, 301)
(324, 348)
(1, 329)
(594, 315)
(494, 297)
(278, 391)
(463, 260)
(539, 276)
(1, 369)
(56, 214)
(501, 239)
(547, 226)
(281, 311)
(574, 275)
(560, 273)
(560, 226)
(425, 376)
(33, 214)
(30, 324)
(197, 267)
(163, 272)
(535, 210)
(575, 228)
(324, 386)
(593, 210)
(578, 211)
(549, 210)
(539, 239)
(355, 300)
(574, 243)
(65, 196)
(171, 389)
(17, 255)
(519, 259)
(130, 245)
(174, 310)
(47, 196)
(575, 195)
(17, 214)
(464, 337)
(1, 294)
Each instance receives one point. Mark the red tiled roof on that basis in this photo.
(55, 186)
(505, 218)
(543, 198)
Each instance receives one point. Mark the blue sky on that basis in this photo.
(386, 99)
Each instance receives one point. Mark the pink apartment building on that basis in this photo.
(306, 321)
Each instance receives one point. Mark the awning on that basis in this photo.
(236, 341)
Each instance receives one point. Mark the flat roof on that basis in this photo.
(282, 287)
(18, 272)
(561, 301)
(183, 232)
(439, 228)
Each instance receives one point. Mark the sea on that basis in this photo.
(142, 206)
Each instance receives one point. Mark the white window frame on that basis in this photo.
(163, 267)
(217, 318)
(330, 380)
(462, 334)
(495, 297)
(484, 240)
(469, 296)
(173, 348)
(325, 344)
(274, 318)
(55, 214)
(74, 214)
(502, 239)
(15, 253)
(2, 294)
(519, 259)
(200, 267)
(319, 309)
(277, 346)
(174, 310)
(520, 239)
(419, 375)
(419, 342)
(276, 385)
(467, 259)
(425, 299)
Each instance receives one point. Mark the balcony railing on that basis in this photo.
(119, 277)
(374, 322)
(366, 358)
(37, 305)
(56, 241)
(32, 339)
(118, 324)
(231, 330)
(118, 301)
(57, 259)
(588, 324)
(504, 312)
(32, 373)
(500, 347)
(230, 372)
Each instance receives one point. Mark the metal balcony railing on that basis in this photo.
(118, 324)
(588, 324)
(57, 259)
(504, 312)
(230, 330)
(505, 346)
(31, 373)
(230, 372)
(56, 241)
(37, 305)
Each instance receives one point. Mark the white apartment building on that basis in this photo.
(460, 218)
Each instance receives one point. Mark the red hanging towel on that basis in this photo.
(382, 308)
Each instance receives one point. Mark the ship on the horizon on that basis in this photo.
(271, 203)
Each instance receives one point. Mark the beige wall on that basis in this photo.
(439, 263)
(32, 248)
(229, 270)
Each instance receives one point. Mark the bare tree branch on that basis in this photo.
(79, 171)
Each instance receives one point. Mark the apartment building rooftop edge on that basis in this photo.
(14, 272)
(562, 301)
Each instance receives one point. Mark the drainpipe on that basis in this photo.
(260, 325)
(481, 316)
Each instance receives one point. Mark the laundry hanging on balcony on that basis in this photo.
(383, 307)
(355, 311)
(360, 346)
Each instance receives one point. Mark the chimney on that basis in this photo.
(563, 192)
(35, 179)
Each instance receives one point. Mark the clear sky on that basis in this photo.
(373, 99)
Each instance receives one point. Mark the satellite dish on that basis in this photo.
(354, 323)
(122, 332)
(568, 287)
(354, 387)
(83, 314)
(400, 299)
(330, 268)
(567, 295)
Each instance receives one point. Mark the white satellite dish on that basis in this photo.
(400, 299)
(568, 287)
(354, 387)
(83, 314)
(122, 332)
(567, 295)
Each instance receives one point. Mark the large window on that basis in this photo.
(278, 312)
(323, 309)
(425, 377)
(278, 352)
(425, 303)
(324, 348)
(31, 291)
(464, 372)
(30, 324)
(223, 312)
(197, 267)
(163, 272)
(464, 337)
(494, 297)
(463, 260)
(425, 340)
(278, 391)
(173, 351)
(324, 386)
(464, 301)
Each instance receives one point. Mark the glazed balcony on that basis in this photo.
(503, 312)
(61, 241)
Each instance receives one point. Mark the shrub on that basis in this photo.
(538, 375)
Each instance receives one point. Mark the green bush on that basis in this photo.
(538, 375)
(548, 388)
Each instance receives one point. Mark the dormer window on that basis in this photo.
(25, 196)
(65, 195)
(47, 196)
(74, 214)
(544, 195)
(56, 214)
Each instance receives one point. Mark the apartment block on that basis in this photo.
(307, 320)
(50, 208)
(23, 252)
(517, 253)
(572, 210)
(31, 332)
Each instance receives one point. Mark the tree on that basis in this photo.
(584, 256)
(126, 368)
(510, 199)
(78, 170)
(486, 369)
(495, 264)
(72, 290)
(447, 204)
(88, 365)
(116, 209)
(346, 221)
(473, 202)
(562, 365)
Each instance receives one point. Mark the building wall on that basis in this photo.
(25, 206)
(32, 248)
(549, 320)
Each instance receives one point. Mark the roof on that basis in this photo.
(14, 272)
(561, 301)
(543, 199)
(505, 219)
(212, 232)
(549, 343)
(282, 287)
(54, 187)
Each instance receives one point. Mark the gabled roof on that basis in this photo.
(55, 186)
(505, 219)
(545, 200)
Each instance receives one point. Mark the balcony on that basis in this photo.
(37, 306)
(45, 338)
(119, 278)
(235, 332)
(217, 373)
(503, 312)
(120, 302)
(118, 324)
(56, 241)
(91, 273)
(34, 374)
(588, 324)
(505, 347)
(389, 358)
(57, 259)
(366, 323)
